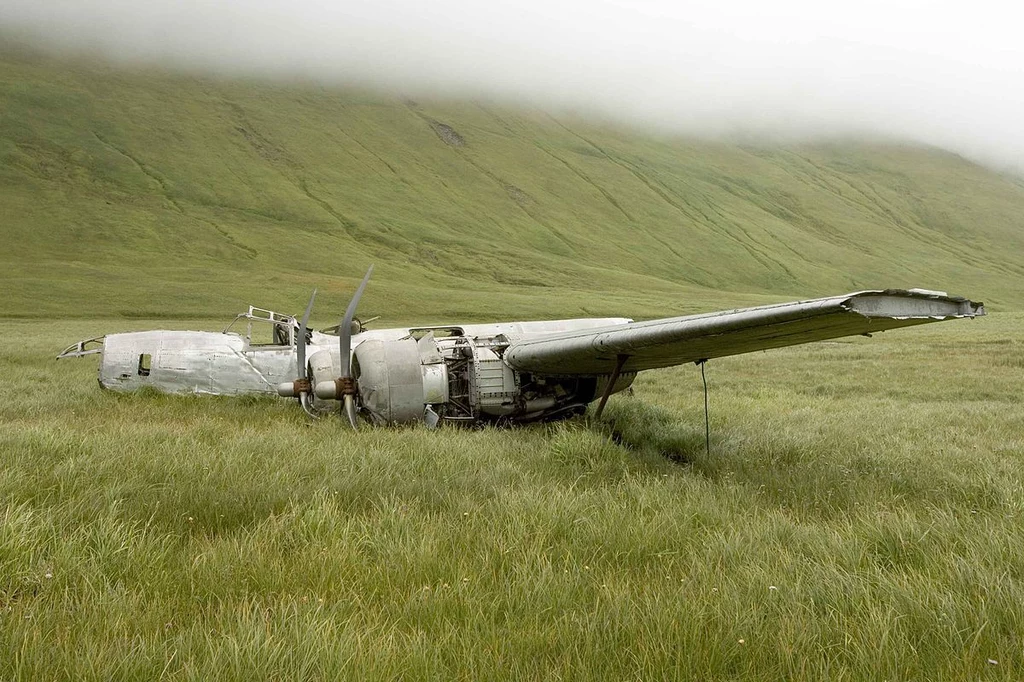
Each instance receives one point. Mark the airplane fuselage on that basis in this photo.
(406, 374)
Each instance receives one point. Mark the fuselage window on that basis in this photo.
(145, 361)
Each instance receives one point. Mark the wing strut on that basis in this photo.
(707, 416)
(620, 360)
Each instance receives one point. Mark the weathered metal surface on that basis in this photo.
(508, 371)
(390, 380)
(673, 341)
(192, 362)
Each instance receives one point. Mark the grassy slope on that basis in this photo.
(145, 193)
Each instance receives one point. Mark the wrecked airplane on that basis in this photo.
(477, 373)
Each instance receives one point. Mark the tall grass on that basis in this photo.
(858, 517)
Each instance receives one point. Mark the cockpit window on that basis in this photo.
(439, 332)
(266, 328)
(269, 333)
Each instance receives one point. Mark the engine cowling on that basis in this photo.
(391, 381)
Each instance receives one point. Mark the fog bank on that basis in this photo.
(946, 74)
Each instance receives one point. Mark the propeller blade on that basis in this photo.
(345, 343)
(301, 341)
(291, 389)
(350, 410)
(306, 400)
(345, 328)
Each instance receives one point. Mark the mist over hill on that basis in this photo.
(936, 73)
(142, 192)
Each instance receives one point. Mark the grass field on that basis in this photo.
(859, 517)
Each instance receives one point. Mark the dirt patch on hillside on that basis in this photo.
(448, 134)
(517, 195)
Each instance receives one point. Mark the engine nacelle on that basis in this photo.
(391, 380)
(398, 379)
(455, 379)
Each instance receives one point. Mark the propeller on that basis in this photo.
(344, 387)
(345, 343)
(301, 387)
(301, 357)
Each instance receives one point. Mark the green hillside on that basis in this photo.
(153, 194)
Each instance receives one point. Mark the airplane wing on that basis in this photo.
(677, 340)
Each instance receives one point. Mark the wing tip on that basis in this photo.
(913, 303)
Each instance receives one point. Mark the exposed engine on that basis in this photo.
(442, 374)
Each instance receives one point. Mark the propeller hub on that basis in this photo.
(337, 388)
(346, 386)
(291, 389)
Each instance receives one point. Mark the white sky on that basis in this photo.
(950, 74)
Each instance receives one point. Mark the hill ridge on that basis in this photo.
(138, 190)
